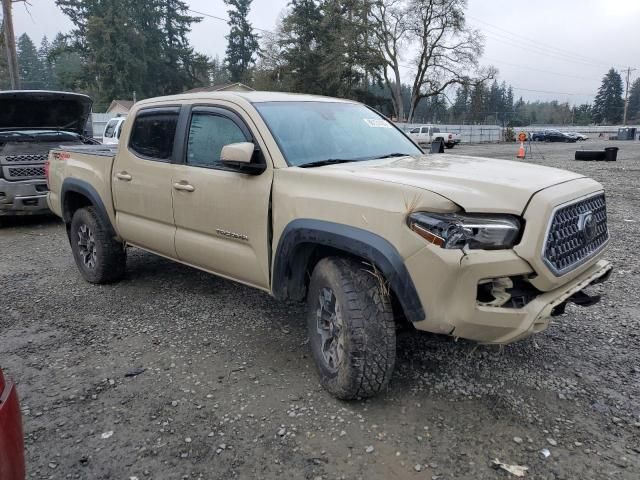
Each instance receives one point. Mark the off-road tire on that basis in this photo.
(367, 325)
(110, 255)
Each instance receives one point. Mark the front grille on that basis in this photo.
(35, 158)
(576, 233)
(23, 173)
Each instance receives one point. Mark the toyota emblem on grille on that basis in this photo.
(587, 226)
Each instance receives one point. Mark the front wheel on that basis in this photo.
(449, 145)
(351, 328)
(99, 257)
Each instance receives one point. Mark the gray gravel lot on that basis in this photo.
(174, 373)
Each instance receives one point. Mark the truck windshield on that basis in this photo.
(311, 132)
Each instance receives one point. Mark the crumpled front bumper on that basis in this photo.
(23, 198)
(447, 284)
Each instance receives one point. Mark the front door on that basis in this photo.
(142, 173)
(221, 216)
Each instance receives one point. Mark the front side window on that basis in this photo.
(153, 134)
(309, 132)
(208, 133)
(415, 130)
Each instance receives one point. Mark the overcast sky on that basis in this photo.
(559, 46)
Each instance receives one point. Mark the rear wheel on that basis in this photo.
(351, 328)
(99, 257)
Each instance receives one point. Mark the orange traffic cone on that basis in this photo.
(521, 153)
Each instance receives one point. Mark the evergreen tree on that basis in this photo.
(633, 111)
(243, 42)
(44, 53)
(302, 34)
(608, 105)
(67, 65)
(218, 73)
(132, 45)
(29, 64)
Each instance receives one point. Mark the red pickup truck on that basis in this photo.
(11, 446)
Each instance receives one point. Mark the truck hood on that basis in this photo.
(39, 109)
(476, 184)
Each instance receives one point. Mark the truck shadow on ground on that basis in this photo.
(29, 221)
(423, 360)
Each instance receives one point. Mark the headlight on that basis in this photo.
(458, 230)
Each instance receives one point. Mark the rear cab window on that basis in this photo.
(153, 133)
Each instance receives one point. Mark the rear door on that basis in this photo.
(222, 216)
(141, 180)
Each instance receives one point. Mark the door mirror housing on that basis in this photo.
(243, 157)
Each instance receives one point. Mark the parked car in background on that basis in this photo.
(324, 200)
(552, 136)
(579, 137)
(11, 442)
(112, 131)
(424, 135)
(31, 124)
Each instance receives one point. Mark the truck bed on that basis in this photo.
(100, 150)
(90, 164)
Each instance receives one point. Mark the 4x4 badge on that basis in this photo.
(587, 226)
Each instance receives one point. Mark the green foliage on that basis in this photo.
(608, 106)
(325, 47)
(132, 45)
(30, 65)
(243, 42)
(633, 113)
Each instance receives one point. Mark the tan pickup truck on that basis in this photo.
(324, 200)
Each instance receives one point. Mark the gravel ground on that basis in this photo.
(174, 373)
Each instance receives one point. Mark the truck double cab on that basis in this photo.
(424, 135)
(31, 124)
(323, 200)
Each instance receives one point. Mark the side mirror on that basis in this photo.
(240, 157)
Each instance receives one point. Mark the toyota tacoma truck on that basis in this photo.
(426, 134)
(32, 123)
(324, 201)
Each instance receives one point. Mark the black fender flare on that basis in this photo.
(301, 235)
(84, 188)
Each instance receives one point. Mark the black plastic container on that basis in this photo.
(611, 154)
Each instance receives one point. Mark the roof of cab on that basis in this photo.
(251, 97)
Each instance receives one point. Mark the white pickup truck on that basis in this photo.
(424, 135)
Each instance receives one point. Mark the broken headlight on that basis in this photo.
(460, 230)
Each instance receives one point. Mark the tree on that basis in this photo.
(5, 82)
(243, 42)
(29, 64)
(67, 65)
(582, 114)
(608, 105)
(44, 54)
(300, 42)
(130, 45)
(634, 101)
(447, 49)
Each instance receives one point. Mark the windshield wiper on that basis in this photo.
(392, 155)
(328, 161)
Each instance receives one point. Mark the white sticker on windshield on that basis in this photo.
(377, 123)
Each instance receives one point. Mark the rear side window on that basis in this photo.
(153, 134)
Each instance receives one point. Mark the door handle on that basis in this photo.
(184, 187)
(123, 176)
